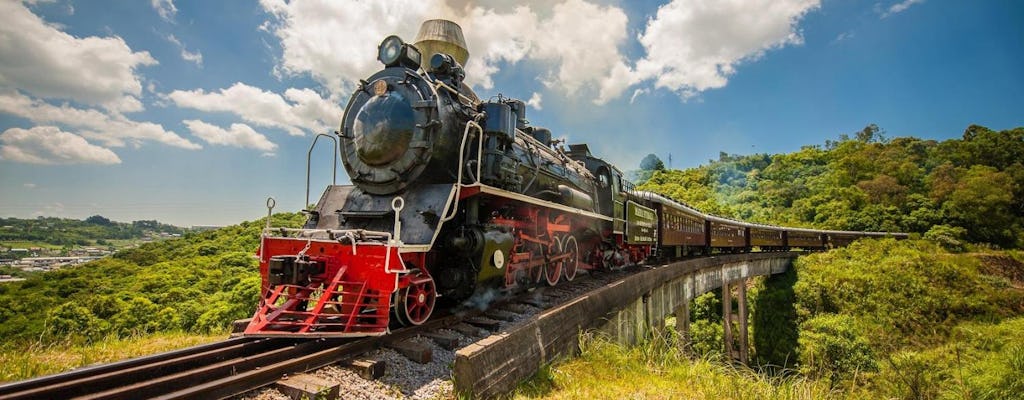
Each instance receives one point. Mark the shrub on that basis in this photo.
(949, 237)
(832, 348)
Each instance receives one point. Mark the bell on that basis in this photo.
(442, 36)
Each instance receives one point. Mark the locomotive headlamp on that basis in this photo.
(393, 51)
(389, 50)
(441, 63)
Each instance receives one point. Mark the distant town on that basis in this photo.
(44, 244)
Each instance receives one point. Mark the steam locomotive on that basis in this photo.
(451, 193)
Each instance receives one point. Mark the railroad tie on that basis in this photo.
(417, 352)
(469, 331)
(367, 368)
(501, 315)
(306, 386)
(447, 341)
(486, 323)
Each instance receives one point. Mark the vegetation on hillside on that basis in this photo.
(955, 190)
(910, 320)
(198, 283)
(63, 232)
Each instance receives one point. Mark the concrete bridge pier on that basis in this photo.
(682, 314)
(735, 351)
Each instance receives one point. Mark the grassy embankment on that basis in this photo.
(880, 319)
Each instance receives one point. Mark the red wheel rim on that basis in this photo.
(571, 264)
(553, 270)
(418, 302)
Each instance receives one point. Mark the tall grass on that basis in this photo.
(658, 369)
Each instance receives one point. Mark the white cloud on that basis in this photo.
(238, 135)
(494, 38)
(843, 36)
(46, 62)
(298, 111)
(29, 185)
(695, 45)
(900, 7)
(583, 38)
(336, 41)
(196, 57)
(165, 8)
(534, 101)
(48, 145)
(690, 45)
(310, 30)
(112, 129)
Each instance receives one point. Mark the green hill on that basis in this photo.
(198, 283)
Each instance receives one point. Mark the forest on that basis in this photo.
(67, 232)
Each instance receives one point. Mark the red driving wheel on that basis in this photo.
(416, 301)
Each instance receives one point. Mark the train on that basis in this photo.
(452, 195)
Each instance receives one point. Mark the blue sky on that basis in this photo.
(195, 112)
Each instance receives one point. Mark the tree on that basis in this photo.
(982, 200)
(98, 220)
(652, 163)
(871, 134)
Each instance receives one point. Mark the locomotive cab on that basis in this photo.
(611, 189)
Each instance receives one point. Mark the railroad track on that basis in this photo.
(237, 365)
(215, 370)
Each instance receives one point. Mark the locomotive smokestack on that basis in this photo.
(442, 36)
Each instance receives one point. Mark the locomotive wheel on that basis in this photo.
(536, 273)
(553, 270)
(571, 264)
(415, 303)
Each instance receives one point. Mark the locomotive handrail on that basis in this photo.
(479, 150)
(309, 155)
(462, 154)
(361, 234)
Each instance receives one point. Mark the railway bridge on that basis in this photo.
(630, 309)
